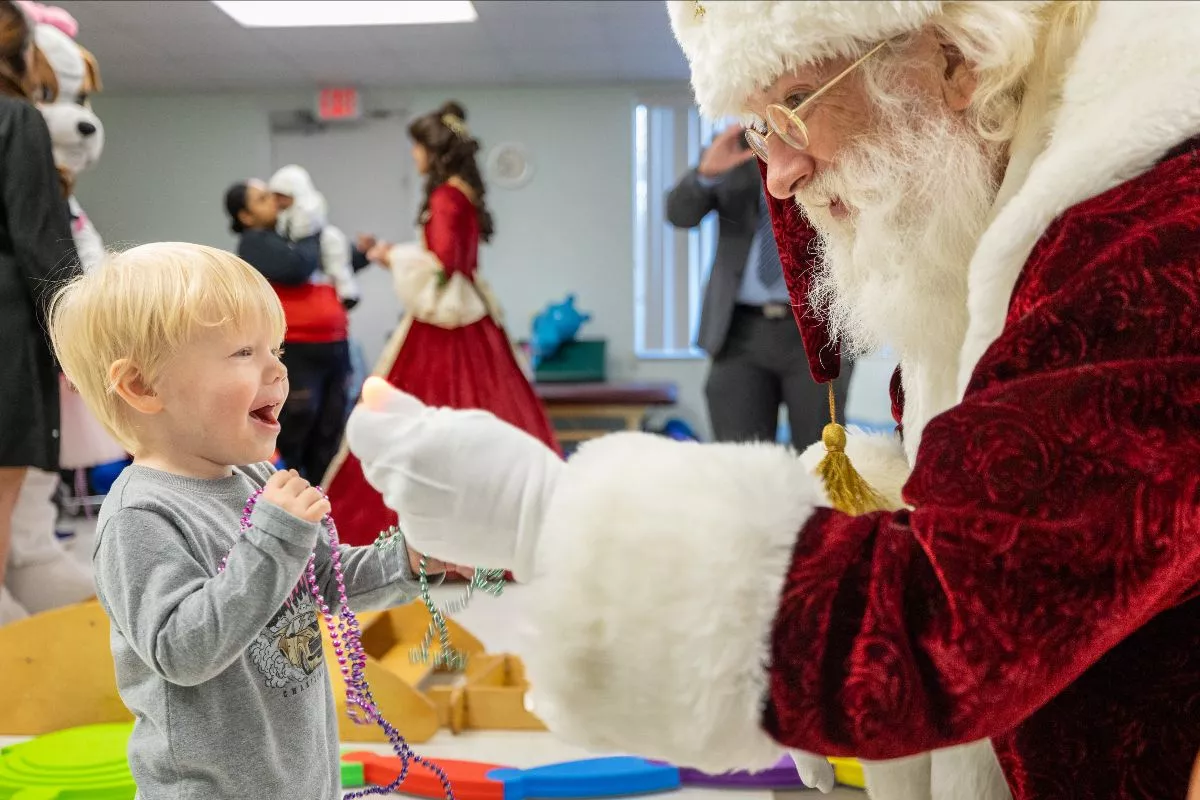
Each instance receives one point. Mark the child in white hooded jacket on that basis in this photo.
(303, 212)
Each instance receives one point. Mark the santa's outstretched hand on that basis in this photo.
(469, 488)
(472, 489)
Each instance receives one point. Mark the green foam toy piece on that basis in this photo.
(87, 763)
(352, 775)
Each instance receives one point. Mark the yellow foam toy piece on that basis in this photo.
(61, 661)
(397, 682)
(848, 772)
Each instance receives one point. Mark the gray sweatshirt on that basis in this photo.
(225, 673)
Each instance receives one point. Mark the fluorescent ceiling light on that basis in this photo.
(337, 13)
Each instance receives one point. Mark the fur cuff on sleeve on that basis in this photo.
(660, 570)
(423, 289)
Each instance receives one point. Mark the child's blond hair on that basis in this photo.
(142, 305)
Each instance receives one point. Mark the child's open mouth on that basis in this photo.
(266, 415)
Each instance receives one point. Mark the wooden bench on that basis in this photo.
(582, 411)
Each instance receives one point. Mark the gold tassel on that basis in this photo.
(847, 490)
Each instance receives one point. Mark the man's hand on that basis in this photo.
(726, 152)
(435, 567)
(469, 488)
(364, 242)
(287, 490)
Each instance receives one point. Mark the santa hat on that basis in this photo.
(738, 46)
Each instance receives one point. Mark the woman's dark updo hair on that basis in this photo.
(235, 203)
(451, 150)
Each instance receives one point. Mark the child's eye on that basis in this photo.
(245, 352)
(278, 351)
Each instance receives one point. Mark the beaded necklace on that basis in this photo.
(345, 634)
(487, 580)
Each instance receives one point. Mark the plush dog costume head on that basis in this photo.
(67, 76)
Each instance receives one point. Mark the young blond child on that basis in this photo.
(175, 348)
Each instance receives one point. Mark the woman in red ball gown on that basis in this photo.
(450, 349)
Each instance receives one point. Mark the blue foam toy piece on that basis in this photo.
(615, 776)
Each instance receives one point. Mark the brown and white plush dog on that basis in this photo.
(67, 76)
(41, 574)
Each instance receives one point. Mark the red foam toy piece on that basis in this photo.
(469, 779)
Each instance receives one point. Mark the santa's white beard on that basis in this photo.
(894, 273)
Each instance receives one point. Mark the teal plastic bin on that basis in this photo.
(581, 361)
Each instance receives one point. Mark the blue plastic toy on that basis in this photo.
(679, 430)
(592, 778)
(556, 324)
(103, 475)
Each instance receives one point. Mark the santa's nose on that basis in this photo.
(86, 128)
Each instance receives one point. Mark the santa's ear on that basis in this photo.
(91, 73)
(959, 78)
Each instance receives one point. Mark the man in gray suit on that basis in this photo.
(746, 322)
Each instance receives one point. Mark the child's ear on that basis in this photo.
(129, 383)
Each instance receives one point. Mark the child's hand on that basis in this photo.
(296, 496)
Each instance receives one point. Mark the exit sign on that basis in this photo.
(338, 104)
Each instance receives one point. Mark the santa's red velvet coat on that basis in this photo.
(1042, 591)
(700, 604)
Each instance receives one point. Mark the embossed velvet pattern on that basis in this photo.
(1044, 590)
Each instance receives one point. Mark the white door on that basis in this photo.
(366, 173)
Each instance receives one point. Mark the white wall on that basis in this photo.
(166, 165)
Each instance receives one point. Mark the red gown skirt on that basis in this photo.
(467, 367)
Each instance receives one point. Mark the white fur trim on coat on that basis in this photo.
(417, 275)
(659, 572)
(1131, 93)
(736, 47)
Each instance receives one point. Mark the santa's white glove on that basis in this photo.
(469, 488)
(814, 770)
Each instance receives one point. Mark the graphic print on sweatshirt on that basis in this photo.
(288, 651)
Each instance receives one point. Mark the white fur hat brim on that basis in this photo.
(736, 47)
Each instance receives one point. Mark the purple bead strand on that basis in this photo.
(345, 634)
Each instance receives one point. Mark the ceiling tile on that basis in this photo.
(189, 44)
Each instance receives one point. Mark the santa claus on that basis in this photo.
(1008, 194)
